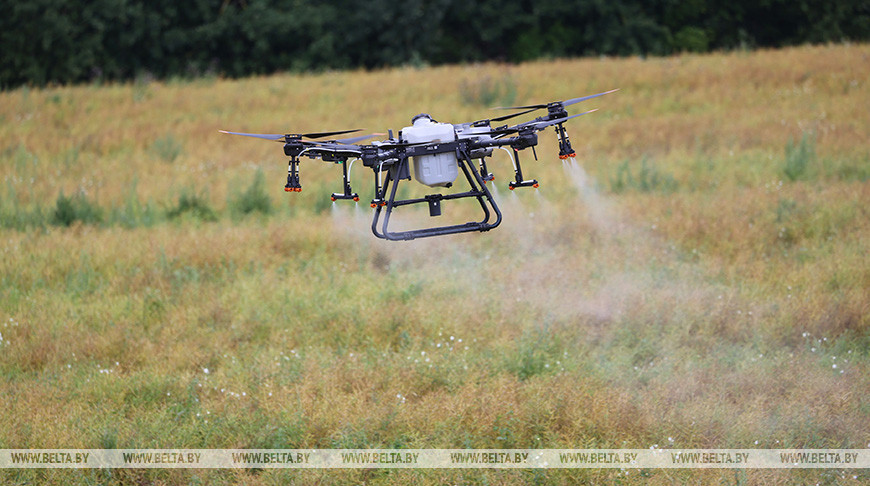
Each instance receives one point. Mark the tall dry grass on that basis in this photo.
(675, 289)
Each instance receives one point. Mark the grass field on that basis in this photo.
(699, 279)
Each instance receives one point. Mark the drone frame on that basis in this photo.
(389, 161)
(399, 171)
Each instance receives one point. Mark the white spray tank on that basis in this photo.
(434, 169)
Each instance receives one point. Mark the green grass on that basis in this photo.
(254, 199)
(799, 157)
(676, 283)
(194, 205)
(488, 92)
(645, 178)
(69, 210)
(167, 148)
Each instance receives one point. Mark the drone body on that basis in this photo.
(439, 153)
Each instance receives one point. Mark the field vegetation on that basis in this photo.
(698, 279)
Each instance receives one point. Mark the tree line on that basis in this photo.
(71, 41)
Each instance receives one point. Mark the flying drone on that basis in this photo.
(438, 153)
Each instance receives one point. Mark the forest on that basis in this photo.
(84, 41)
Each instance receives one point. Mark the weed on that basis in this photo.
(109, 438)
(785, 209)
(486, 91)
(153, 308)
(68, 210)
(134, 214)
(647, 179)
(854, 170)
(194, 205)
(83, 279)
(534, 356)
(799, 156)
(254, 199)
(167, 148)
(71, 158)
(15, 217)
(24, 159)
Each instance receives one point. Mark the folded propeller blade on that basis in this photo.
(344, 145)
(563, 103)
(281, 138)
(265, 136)
(328, 134)
(584, 98)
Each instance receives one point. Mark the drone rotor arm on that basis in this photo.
(334, 149)
(266, 136)
(584, 98)
(360, 138)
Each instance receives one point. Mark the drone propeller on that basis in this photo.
(327, 134)
(281, 138)
(563, 103)
(265, 136)
(508, 117)
(534, 125)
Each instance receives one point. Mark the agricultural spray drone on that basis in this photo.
(439, 152)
